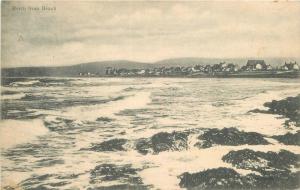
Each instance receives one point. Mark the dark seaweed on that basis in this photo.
(104, 119)
(227, 178)
(124, 175)
(229, 136)
(110, 172)
(289, 138)
(163, 141)
(219, 178)
(274, 168)
(262, 162)
(110, 145)
(289, 108)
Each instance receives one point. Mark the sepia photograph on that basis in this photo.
(150, 95)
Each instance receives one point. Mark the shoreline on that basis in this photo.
(216, 76)
(239, 74)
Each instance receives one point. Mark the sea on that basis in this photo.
(48, 126)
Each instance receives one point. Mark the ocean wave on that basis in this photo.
(31, 97)
(13, 132)
(36, 82)
(25, 83)
(96, 128)
(111, 107)
(25, 107)
(8, 81)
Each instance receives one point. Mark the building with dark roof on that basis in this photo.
(256, 65)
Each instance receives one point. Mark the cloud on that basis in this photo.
(147, 31)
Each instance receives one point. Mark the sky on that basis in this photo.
(78, 32)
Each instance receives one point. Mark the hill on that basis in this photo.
(69, 71)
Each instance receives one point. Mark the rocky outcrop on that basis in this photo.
(289, 138)
(217, 178)
(262, 161)
(104, 119)
(110, 145)
(275, 169)
(289, 108)
(163, 141)
(229, 136)
(227, 178)
(125, 176)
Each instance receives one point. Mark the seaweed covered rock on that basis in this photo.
(276, 180)
(289, 138)
(227, 178)
(274, 168)
(163, 141)
(289, 107)
(110, 145)
(262, 161)
(124, 175)
(229, 136)
(104, 119)
(217, 178)
(110, 172)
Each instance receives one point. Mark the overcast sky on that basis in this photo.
(146, 31)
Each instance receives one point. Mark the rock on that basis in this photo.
(278, 180)
(289, 107)
(175, 141)
(125, 176)
(110, 145)
(259, 111)
(274, 168)
(227, 178)
(144, 146)
(289, 138)
(111, 172)
(104, 119)
(219, 178)
(262, 162)
(229, 136)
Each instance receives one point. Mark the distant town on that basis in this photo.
(253, 68)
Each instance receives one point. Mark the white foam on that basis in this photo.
(14, 132)
(172, 164)
(27, 83)
(138, 100)
(162, 169)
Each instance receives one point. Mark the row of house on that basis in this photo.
(253, 65)
(169, 71)
(223, 67)
(290, 66)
